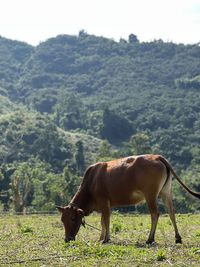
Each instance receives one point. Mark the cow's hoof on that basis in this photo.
(178, 240)
(150, 242)
(105, 241)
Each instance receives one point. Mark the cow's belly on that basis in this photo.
(137, 197)
(133, 198)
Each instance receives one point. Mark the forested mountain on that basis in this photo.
(73, 100)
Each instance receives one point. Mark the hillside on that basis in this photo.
(61, 99)
(13, 56)
(140, 83)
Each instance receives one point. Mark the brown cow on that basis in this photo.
(126, 181)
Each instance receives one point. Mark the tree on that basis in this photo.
(107, 152)
(35, 187)
(139, 144)
(50, 191)
(82, 33)
(70, 112)
(104, 153)
(79, 157)
(133, 39)
(6, 171)
(115, 128)
(72, 182)
(51, 146)
(21, 189)
(11, 136)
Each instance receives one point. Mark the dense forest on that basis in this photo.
(75, 100)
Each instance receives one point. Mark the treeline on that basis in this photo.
(75, 100)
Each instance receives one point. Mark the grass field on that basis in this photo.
(37, 240)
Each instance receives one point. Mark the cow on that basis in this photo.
(126, 181)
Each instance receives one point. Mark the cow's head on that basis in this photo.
(72, 218)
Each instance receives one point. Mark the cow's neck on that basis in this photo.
(82, 199)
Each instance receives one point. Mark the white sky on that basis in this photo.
(34, 21)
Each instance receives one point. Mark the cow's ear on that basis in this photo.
(61, 209)
(81, 212)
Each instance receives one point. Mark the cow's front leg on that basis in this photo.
(103, 230)
(105, 224)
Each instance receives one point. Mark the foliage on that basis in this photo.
(106, 152)
(139, 144)
(25, 134)
(114, 127)
(13, 55)
(35, 187)
(79, 157)
(161, 255)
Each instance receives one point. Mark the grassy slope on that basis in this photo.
(37, 240)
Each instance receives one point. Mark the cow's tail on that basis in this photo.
(169, 167)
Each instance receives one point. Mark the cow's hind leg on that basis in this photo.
(151, 202)
(167, 200)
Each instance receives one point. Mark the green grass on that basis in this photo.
(37, 240)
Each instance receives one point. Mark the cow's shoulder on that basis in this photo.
(94, 170)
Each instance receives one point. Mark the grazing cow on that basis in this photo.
(125, 181)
